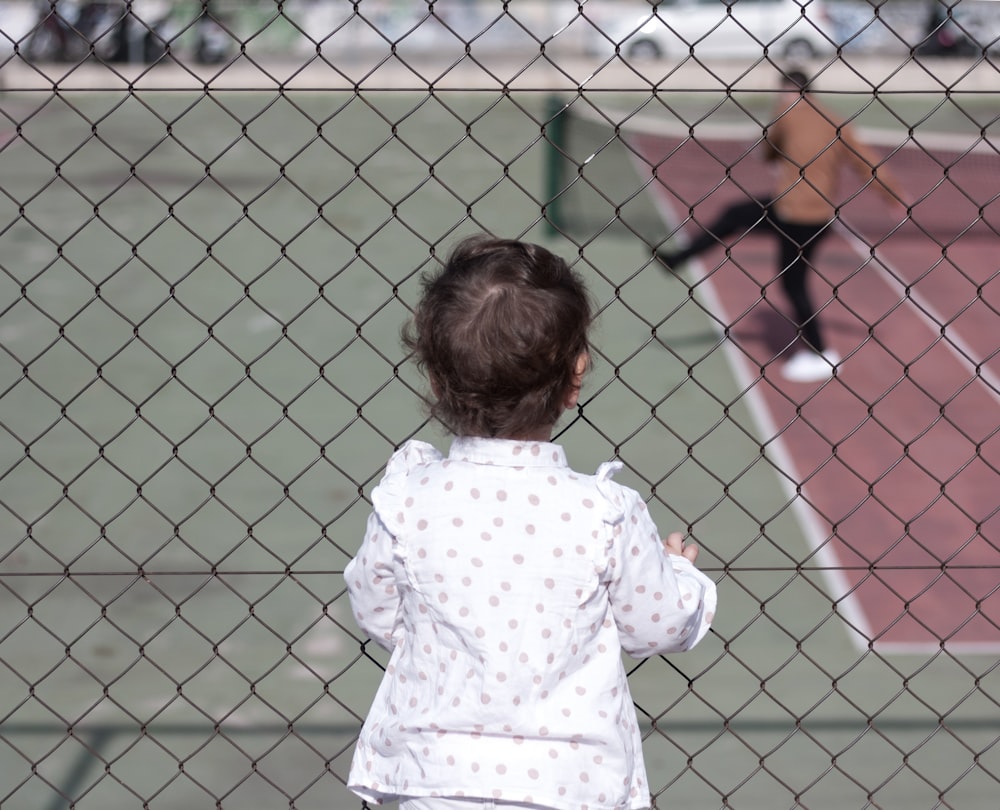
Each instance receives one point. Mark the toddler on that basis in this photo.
(505, 584)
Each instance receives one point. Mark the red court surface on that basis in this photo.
(898, 455)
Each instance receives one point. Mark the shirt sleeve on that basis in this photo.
(371, 576)
(660, 601)
(371, 585)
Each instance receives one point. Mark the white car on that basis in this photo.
(787, 29)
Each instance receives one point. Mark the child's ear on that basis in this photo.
(579, 369)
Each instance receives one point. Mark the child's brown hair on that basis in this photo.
(499, 332)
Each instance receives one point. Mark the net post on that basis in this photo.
(555, 135)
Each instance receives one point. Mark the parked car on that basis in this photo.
(787, 29)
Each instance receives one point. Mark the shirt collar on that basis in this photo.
(507, 452)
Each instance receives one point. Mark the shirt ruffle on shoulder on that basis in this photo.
(611, 491)
(387, 496)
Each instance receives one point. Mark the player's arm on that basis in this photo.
(867, 163)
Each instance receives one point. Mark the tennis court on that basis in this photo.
(914, 403)
(204, 381)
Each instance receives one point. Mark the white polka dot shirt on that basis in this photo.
(506, 586)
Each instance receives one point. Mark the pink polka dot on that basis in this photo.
(486, 536)
(449, 486)
(535, 449)
(532, 773)
(408, 502)
(566, 516)
(442, 598)
(494, 601)
(534, 500)
(552, 480)
(518, 559)
(588, 503)
(466, 581)
(550, 583)
(501, 495)
(498, 521)
(557, 552)
(452, 553)
(505, 586)
(474, 493)
(476, 562)
(529, 529)
(480, 632)
(400, 518)
(456, 521)
(421, 524)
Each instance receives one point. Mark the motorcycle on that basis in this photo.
(109, 30)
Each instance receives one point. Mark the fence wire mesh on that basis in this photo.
(213, 219)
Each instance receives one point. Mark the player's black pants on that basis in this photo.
(797, 244)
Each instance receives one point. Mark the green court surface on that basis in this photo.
(201, 300)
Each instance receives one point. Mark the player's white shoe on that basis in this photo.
(809, 366)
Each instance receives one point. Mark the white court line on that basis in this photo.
(849, 606)
(859, 631)
(929, 315)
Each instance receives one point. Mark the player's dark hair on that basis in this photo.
(796, 78)
(498, 332)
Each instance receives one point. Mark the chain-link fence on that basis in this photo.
(213, 220)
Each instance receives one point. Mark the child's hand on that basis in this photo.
(674, 544)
